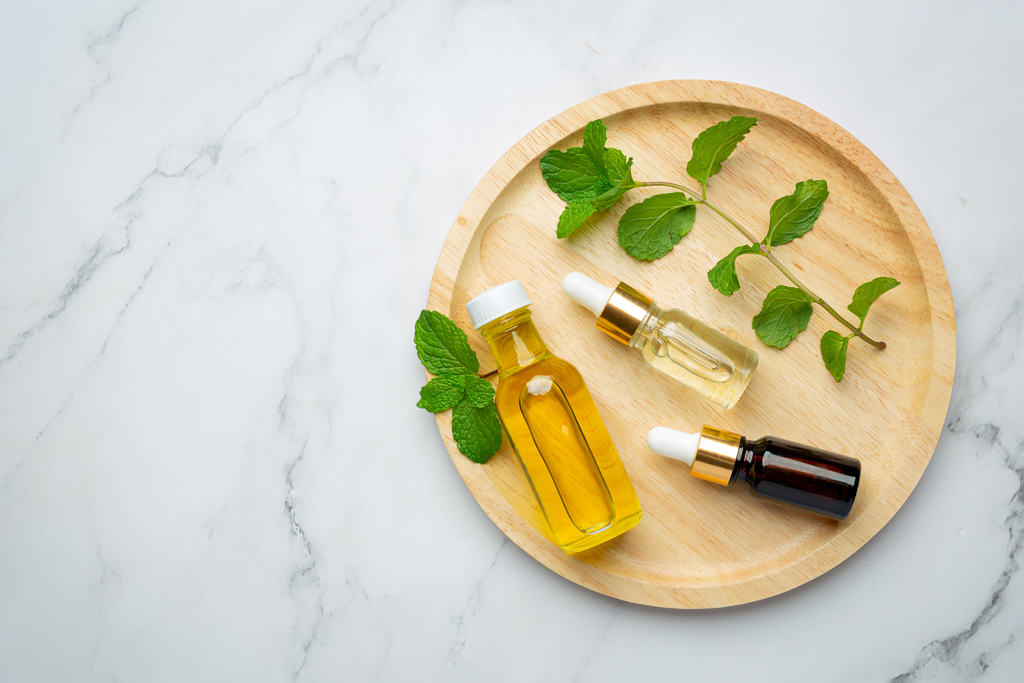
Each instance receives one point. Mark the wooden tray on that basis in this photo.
(700, 545)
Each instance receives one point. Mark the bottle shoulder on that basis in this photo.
(560, 371)
(675, 315)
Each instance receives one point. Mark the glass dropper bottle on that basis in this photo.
(811, 478)
(671, 341)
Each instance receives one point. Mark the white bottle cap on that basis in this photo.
(674, 444)
(587, 292)
(496, 302)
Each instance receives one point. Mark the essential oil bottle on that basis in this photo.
(671, 341)
(554, 427)
(810, 478)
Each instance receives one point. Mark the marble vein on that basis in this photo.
(100, 253)
(999, 348)
(297, 411)
(205, 159)
(584, 666)
(350, 58)
(208, 155)
(96, 49)
(118, 321)
(463, 621)
(948, 650)
(306, 571)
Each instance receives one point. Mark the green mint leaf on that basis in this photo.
(476, 431)
(570, 173)
(650, 229)
(443, 392)
(573, 216)
(442, 347)
(868, 294)
(784, 315)
(590, 178)
(479, 392)
(595, 135)
(620, 179)
(617, 167)
(606, 199)
(723, 275)
(715, 144)
(833, 352)
(444, 350)
(793, 215)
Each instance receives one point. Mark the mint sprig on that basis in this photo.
(592, 178)
(445, 352)
(835, 345)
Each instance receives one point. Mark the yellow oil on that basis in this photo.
(699, 356)
(559, 437)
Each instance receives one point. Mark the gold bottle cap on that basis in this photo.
(622, 315)
(717, 451)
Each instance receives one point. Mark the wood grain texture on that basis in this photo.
(700, 545)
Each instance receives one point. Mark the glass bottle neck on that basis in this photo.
(745, 457)
(514, 341)
(647, 327)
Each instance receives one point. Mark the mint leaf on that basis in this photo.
(606, 199)
(784, 315)
(723, 275)
(650, 229)
(617, 167)
(442, 347)
(570, 173)
(477, 431)
(444, 350)
(715, 144)
(573, 216)
(619, 177)
(833, 352)
(594, 137)
(442, 393)
(868, 293)
(479, 392)
(794, 215)
(592, 174)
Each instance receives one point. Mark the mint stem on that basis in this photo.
(700, 198)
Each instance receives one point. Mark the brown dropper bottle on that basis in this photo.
(816, 480)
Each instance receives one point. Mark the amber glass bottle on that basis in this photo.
(554, 427)
(810, 478)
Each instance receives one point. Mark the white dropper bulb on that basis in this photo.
(673, 444)
(587, 292)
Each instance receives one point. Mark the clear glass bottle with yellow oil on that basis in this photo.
(671, 341)
(554, 427)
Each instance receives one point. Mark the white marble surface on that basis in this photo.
(218, 222)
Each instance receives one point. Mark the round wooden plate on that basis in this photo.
(700, 545)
